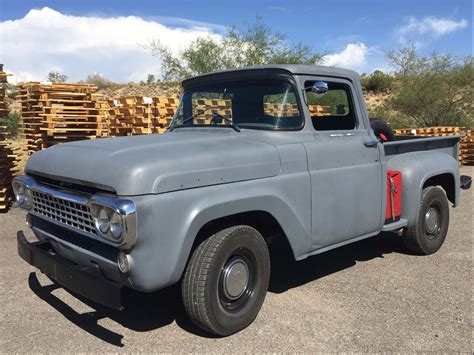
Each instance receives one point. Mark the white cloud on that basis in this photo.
(46, 39)
(428, 26)
(354, 56)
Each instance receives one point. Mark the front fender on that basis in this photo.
(169, 223)
(417, 168)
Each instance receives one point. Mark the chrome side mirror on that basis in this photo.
(320, 88)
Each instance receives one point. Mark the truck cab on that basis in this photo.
(251, 155)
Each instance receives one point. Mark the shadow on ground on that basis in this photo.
(147, 311)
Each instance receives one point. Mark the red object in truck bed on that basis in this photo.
(394, 195)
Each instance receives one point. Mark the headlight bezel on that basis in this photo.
(23, 194)
(121, 220)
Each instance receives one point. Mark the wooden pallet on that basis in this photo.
(57, 112)
(466, 148)
(9, 154)
(135, 115)
(3, 80)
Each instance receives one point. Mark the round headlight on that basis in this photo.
(116, 225)
(23, 195)
(103, 222)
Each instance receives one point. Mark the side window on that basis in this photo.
(333, 111)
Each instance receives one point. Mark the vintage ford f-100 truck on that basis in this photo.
(291, 156)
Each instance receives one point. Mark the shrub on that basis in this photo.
(12, 121)
(377, 82)
(100, 82)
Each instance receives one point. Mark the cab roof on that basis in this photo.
(291, 69)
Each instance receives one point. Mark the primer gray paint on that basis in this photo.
(324, 191)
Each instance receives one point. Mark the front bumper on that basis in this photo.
(84, 281)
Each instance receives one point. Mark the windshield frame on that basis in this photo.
(282, 77)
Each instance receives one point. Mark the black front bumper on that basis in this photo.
(84, 281)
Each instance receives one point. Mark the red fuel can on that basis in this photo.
(394, 196)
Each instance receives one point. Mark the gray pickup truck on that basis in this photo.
(253, 155)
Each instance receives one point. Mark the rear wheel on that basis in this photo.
(226, 280)
(429, 232)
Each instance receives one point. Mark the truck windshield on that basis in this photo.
(263, 104)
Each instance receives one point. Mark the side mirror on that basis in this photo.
(320, 88)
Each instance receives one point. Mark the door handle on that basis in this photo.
(336, 135)
(371, 144)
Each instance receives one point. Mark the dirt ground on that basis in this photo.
(371, 296)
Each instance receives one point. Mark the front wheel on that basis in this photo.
(226, 280)
(429, 232)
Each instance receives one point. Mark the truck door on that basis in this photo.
(344, 165)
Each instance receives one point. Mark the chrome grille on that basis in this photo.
(65, 212)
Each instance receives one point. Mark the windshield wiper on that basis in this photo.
(189, 118)
(228, 120)
(185, 120)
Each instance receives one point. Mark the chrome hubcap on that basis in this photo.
(235, 278)
(431, 220)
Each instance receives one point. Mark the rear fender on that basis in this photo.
(417, 168)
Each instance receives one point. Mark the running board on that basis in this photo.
(402, 222)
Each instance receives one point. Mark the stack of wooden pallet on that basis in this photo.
(430, 131)
(164, 110)
(3, 80)
(206, 109)
(9, 156)
(280, 110)
(319, 110)
(57, 112)
(134, 115)
(466, 151)
(288, 110)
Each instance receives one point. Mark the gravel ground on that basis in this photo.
(368, 296)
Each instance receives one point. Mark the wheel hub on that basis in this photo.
(431, 220)
(235, 278)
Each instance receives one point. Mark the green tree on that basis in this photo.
(435, 91)
(57, 77)
(256, 44)
(404, 61)
(150, 79)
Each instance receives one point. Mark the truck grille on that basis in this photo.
(69, 213)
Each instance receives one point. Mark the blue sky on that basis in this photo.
(67, 35)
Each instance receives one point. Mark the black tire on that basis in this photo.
(380, 128)
(220, 304)
(424, 237)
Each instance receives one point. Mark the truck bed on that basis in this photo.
(406, 144)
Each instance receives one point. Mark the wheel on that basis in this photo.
(382, 130)
(226, 280)
(429, 232)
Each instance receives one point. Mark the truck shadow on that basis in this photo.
(148, 311)
(288, 273)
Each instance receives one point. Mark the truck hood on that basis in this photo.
(147, 164)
